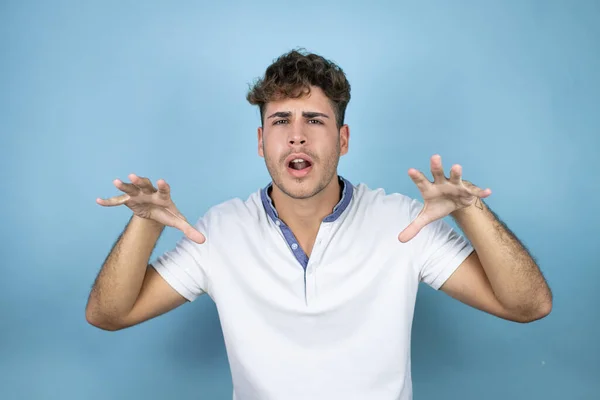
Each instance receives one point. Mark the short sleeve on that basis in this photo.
(186, 266)
(440, 249)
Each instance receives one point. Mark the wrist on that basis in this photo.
(146, 223)
(474, 207)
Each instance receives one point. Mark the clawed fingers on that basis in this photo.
(113, 201)
(128, 188)
(142, 183)
(456, 174)
(483, 193)
(139, 185)
(164, 190)
(419, 179)
(437, 169)
(476, 190)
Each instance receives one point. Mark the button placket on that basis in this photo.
(314, 262)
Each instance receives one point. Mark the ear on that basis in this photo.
(344, 139)
(260, 142)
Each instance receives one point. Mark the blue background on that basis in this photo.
(91, 91)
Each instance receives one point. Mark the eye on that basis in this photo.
(278, 121)
(314, 121)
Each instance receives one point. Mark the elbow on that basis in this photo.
(545, 309)
(540, 311)
(100, 322)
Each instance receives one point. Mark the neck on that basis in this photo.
(307, 214)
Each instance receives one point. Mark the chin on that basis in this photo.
(301, 188)
(300, 183)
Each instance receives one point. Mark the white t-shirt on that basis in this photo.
(335, 326)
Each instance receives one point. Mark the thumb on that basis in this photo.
(411, 230)
(194, 235)
(188, 230)
(415, 226)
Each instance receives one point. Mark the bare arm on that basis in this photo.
(127, 291)
(501, 278)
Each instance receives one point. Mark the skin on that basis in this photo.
(305, 125)
(500, 277)
(126, 291)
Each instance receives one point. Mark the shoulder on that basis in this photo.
(379, 202)
(234, 212)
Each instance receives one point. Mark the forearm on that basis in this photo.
(120, 279)
(512, 272)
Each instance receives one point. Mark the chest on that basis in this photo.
(271, 268)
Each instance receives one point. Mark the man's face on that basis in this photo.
(301, 144)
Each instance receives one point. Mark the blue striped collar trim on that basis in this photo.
(340, 207)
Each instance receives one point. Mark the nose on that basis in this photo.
(297, 136)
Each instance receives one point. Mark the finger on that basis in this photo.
(113, 201)
(194, 235)
(128, 188)
(164, 190)
(410, 231)
(419, 179)
(180, 222)
(189, 231)
(483, 193)
(142, 183)
(456, 174)
(436, 169)
(476, 190)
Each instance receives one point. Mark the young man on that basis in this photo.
(315, 279)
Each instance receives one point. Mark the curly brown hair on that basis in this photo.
(292, 74)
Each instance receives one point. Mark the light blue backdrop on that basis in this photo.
(91, 91)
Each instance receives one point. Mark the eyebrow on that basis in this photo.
(305, 114)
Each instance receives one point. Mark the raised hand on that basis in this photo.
(441, 197)
(152, 203)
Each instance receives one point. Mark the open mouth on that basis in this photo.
(299, 166)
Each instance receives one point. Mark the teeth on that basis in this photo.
(297, 160)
